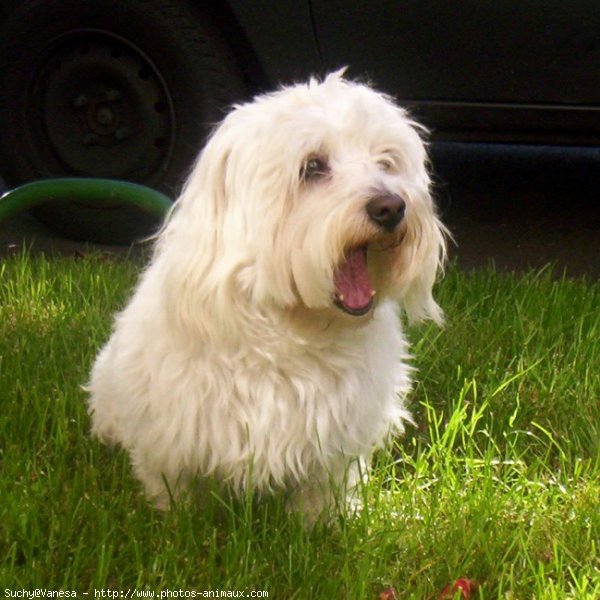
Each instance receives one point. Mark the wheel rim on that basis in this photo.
(104, 110)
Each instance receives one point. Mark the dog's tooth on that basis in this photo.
(373, 292)
(341, 297)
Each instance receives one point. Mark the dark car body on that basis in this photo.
(500, 72)
(495, 71)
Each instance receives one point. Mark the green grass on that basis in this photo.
(499, 483)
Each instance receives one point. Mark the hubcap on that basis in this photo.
(105, 110)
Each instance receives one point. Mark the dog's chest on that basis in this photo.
(339, 393)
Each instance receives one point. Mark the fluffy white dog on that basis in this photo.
(263, 347)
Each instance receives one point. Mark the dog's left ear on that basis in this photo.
(418, 265)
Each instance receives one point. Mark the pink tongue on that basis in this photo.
(352, 282)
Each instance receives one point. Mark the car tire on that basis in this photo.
(123, 90)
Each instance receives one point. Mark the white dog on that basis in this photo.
(262, 347)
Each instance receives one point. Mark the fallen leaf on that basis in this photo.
(465, 586)
(388, 594)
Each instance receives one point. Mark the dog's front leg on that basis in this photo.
(332, 491)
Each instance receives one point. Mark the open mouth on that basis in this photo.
(353, 290)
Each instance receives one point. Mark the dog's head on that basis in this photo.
(315, 196)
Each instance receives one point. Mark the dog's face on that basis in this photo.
(319, 195)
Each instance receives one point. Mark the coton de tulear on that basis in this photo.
(263, 347)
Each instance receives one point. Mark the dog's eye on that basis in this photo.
(314, 168)
(387, 164)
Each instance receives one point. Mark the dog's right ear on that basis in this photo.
(189, 247)
(204, 194)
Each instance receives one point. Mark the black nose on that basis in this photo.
(386, 210)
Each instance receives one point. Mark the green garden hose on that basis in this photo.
(86, 191)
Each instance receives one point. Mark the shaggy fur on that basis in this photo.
(262, 346)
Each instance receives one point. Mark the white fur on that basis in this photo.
(231, 360)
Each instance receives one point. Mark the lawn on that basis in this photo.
(499, 483)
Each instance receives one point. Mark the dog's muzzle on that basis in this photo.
(353, 291)
(387, 211)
